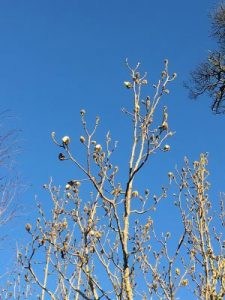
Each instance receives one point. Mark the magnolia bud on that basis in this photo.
(61, 156)
(28, 227)
(135, 194)
(128, 84)
(164, 73)
(98, 148)
(166, 62)
(68, 195)
(68, 186)
(166, 91)
(166, 148)
(184, 282)
(82, 112)
(137, 108)
(64, 223)
(174, 75)
(82, 139)
(77, 183)
(170, 174)
(177, 271)
(144, 82)
(66, 140)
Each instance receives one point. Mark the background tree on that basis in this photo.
(9, 183)
(107, 246)
(202, 247)
(8, 178)
(209, 77)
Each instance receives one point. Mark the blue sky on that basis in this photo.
(57, 57)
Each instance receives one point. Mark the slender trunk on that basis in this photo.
(46, 272)
(126, 269)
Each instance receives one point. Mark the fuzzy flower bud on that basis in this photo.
(170, 174)
(82, 139)
(28, 227)
(166, 148)
(64, 223)
(184, 282)
(98, 234)
(68, 187)
(135, 194)
(177, 271)
(66, 140)
(77, 183)
(68, 195)
(174, 75)
(98, 148)
(144, 82)
(164, 73)
(166, 91)
(61, 156)
(82, 112)
(128, 84)
(166, 62)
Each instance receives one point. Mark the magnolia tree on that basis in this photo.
(106, 246)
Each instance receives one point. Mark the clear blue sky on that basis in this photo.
(57, 57)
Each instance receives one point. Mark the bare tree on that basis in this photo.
(107, 246)
(198, 261)
(9, 183)
(205, 231)
(8, 179)
(209, 77)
